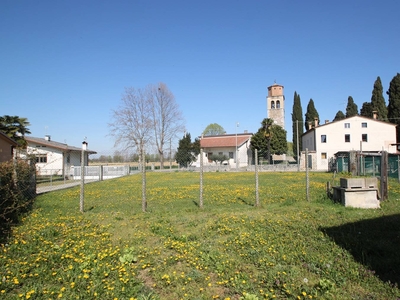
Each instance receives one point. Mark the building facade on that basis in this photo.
(236, 147)
(7, 147)
(351, 134)
(54, 158)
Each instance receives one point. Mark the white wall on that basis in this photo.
(380, 137)
(54, 164)
(242, 155)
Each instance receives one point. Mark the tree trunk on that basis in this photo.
(144, 202)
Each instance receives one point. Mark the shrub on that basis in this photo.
(17, 191)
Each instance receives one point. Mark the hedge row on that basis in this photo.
(17, 191)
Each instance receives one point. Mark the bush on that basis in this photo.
(17, 191)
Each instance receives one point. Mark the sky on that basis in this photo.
(64, 65)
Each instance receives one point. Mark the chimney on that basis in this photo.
(326, 121)
(315, 122)
(309, 125)
(375, 115)
(47, 138)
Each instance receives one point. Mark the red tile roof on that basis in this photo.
(226, 140)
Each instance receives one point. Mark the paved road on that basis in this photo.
(50, 188)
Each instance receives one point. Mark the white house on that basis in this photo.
(355, 133)
(235, 146)
(54, 158)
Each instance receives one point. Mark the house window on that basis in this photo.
(272, 104)
(347, 138)
(346, 125)
(68, 158)
(364, 137)
(323, 155)
(364, 125)
(323, 138)
(41, 158)
(230, 154)
(220, 153)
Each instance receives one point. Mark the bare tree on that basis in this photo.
(167, 120)
(132, 127)
(132, 121)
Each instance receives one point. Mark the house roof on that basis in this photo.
(225, 140)
(52, 144)
(5, 137)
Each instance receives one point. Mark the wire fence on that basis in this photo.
(368, 164)
(250, 178)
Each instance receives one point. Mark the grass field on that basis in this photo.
(288, 248)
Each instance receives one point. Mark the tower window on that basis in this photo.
(272, 104)
(278, 104)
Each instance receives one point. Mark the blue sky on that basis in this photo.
(64, 64)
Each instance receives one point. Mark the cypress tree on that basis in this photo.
(352, 108)
(394, 103)
(297, 123)
(187, 152)
(366, 110)
(378, 102)
(311, 114)
(339, 116)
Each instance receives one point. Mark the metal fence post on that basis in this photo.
(82, 193)
(201, 179)
(307, 179)
(398, 166)
(256, 172)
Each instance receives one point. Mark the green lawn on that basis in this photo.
(288, 248)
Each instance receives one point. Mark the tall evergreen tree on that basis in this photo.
(394, 103)
(366, 110)
(378, 102)
(339, 116)
(352, 108)
(297, 123)
(187, 151)
(311, 114)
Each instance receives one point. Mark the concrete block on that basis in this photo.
(360, 198)
(351, 183)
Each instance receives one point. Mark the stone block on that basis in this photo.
(351, 183)
(360, 198)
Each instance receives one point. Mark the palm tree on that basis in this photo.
(15, 128)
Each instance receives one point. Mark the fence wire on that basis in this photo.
(250, 184)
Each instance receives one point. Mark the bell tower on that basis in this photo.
(276, 104)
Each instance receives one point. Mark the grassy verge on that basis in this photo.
(288, 248)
